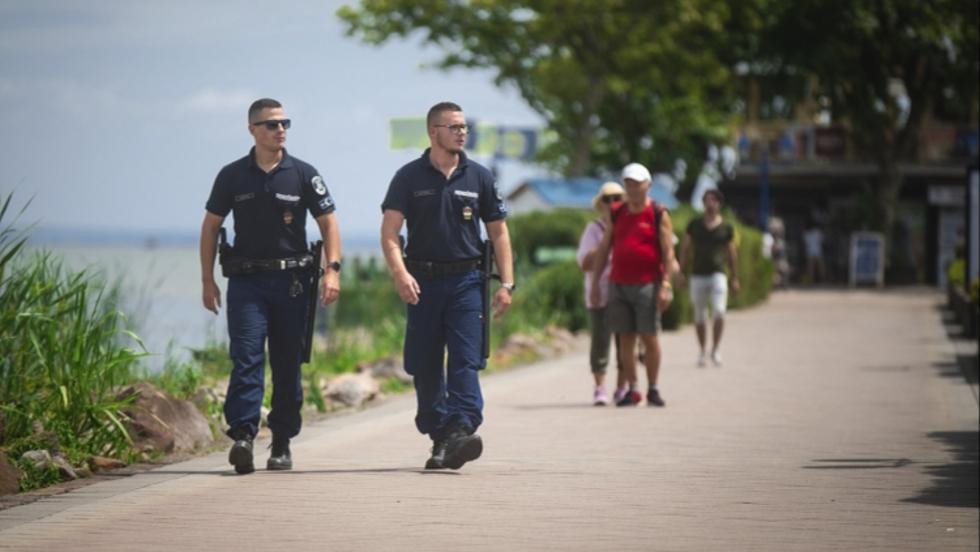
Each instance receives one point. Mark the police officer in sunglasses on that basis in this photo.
(270, 192)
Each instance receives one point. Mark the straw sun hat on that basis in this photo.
(609, 188)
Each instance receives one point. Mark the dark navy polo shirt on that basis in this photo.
(443, 215)
(270, 208)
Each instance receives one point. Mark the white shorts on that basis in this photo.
(709, 290)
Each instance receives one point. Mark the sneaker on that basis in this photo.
(438, 458)
(599, 397)
(716, 358)
(630, 398)
(280, 459)
(701, 360)
(240, 454)
(462, 446)
(653, 398)
(619, 394)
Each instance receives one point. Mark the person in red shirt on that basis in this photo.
(640, 235)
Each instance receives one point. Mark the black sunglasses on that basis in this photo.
(611, 198)
(273, 124)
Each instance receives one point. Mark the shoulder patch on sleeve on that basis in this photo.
(318, 185)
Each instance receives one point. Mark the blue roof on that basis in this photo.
(578, 192)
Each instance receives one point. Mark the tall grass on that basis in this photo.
(64, 351)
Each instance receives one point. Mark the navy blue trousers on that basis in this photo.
(443, 352)
(260, 309)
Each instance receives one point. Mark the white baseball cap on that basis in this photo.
(636, 171)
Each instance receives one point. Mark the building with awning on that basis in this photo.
(543, 194)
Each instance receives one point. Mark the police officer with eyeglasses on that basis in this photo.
(269, 282)
(442, 197)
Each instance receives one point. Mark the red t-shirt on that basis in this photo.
(635, 248)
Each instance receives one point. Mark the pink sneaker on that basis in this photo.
(599, 397)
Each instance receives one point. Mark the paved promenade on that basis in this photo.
(840, 421)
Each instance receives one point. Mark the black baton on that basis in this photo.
(317, 250)
(488, 275)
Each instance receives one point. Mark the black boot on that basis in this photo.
(280, 459)
(462, 446)
(435, 462)
(240, 455)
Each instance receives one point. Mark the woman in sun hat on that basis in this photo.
(591, 237)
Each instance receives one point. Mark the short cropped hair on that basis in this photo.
(715, 192)
(438, 109)
(260, 104)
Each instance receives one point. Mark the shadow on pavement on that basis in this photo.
(965, 365)
(954, 484)
(859, 463)
(230, 473)
(560, 406)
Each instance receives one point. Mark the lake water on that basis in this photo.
(162, 287)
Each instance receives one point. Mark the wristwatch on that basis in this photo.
(509, 286)
(334, 266)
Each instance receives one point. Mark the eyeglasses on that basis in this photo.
(611, 198)
(457, 129)
(273, 124)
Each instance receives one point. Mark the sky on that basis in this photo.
(118, 115)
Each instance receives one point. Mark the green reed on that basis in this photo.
(64, 350)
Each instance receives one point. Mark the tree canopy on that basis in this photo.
(617, 80)
(885, 68)
(633, 80)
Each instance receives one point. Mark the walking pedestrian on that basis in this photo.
(713, 241)
(813, 247)
(641, 239)
(609, 193)
(442, 197)
(269, 192)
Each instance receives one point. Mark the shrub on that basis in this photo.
(552, 295)
(545, 229)
(63, 351)
(956, 272)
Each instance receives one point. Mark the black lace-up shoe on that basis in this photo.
(240, 454)
(280, 459)
(462, 446)
(438, 458)
(654, 399)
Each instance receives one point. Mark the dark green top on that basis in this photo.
(709, 246)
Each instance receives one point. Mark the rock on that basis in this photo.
(561, 338)
(206, 396)
(102, 463)
(163, 423)
(43, 437)
(390, 367)
(519, 343)
(9, 476)
(352, 389)
(64, 468)
(40, 458)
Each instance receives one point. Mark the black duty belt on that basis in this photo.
(432, 269)
(235, 267)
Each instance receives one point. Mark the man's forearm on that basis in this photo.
(208, 251)
(391, 248)
(733, 264)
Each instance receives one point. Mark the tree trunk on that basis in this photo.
(579, 161)
(889, 187)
